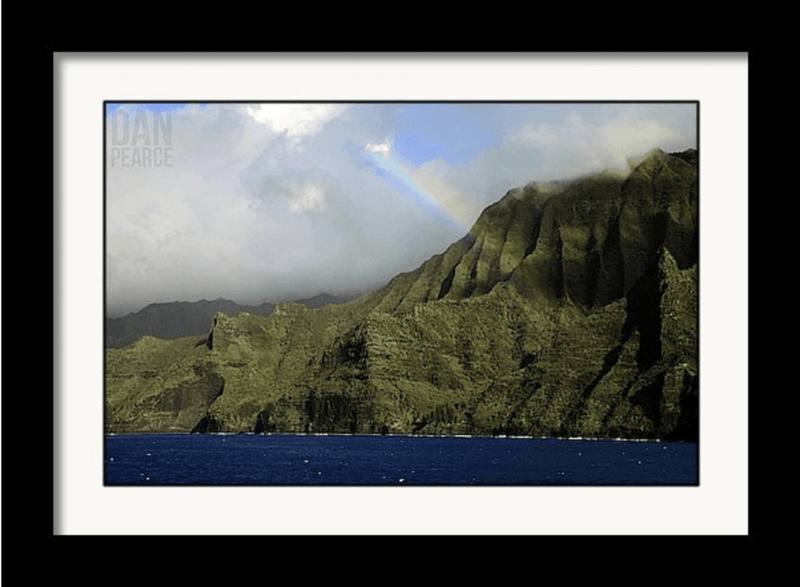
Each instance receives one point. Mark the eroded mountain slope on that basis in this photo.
(565, 312)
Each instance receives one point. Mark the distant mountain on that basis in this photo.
(320, 300)
(173, 320)
(177, 319)
(570, 309)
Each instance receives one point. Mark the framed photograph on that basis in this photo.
(512, 276)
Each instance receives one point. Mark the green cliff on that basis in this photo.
(568, 310)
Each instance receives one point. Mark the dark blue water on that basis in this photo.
(254, 459)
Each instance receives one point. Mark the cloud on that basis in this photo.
(260, 205)
(306, 197)
(635, 138)
(581, 143)
(281, 201)
(383, 148)
(295, 120)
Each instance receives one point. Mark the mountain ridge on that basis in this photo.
(185, 318)
(573, 314)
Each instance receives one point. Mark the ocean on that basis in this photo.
(340, 460)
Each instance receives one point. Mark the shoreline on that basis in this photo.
(342, 434)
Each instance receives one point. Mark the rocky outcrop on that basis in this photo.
(568, 310)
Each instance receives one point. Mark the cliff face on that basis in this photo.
(567, 311)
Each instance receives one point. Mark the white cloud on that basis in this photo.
(306, 197)
(383, 148)
(634, 138)
(577, 145)
(296, 120)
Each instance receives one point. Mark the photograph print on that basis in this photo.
(401, 293)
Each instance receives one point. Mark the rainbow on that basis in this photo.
(400, 176)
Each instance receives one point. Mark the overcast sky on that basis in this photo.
(264, 202)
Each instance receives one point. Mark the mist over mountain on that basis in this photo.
(569, 309)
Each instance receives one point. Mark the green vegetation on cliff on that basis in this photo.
(567, 311)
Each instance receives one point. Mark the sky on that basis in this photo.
(263, 202)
